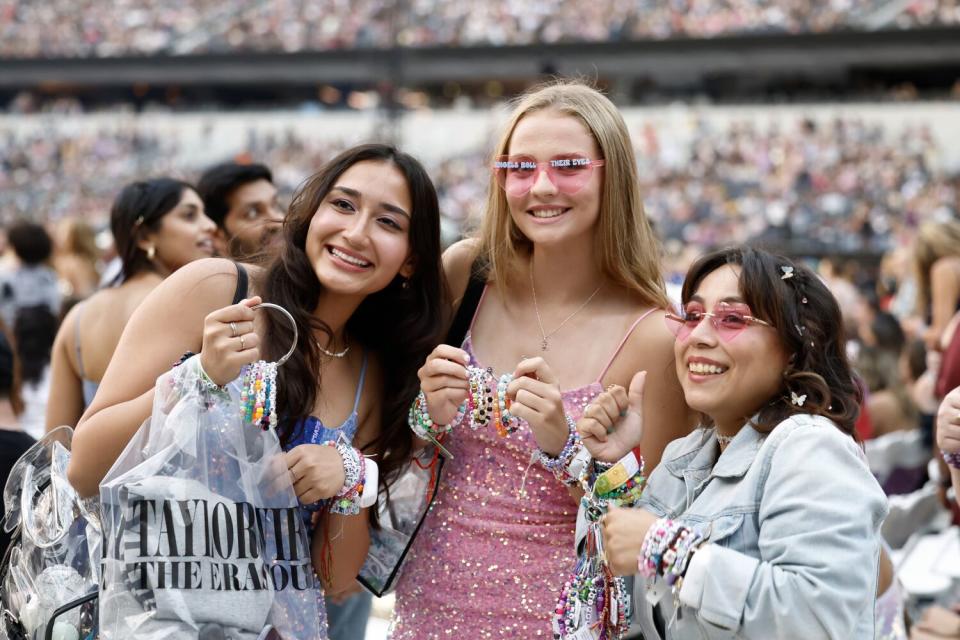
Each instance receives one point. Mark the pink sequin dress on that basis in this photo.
(487, 562)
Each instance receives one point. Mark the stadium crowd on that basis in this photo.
(34, 29)
(845, 185)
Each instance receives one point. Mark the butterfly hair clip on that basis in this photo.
(787, 272)
(797, 400)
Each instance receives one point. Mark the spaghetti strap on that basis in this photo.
(363, 375)
(476, 311)
(623, 342)
(76, 341)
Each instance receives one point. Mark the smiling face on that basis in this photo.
(545, 214)
(185, 234)
(729, 377)
(359, 238)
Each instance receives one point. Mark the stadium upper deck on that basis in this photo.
(100, 29)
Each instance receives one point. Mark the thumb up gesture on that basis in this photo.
(612, 423)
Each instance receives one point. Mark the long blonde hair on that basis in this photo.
(627, 248)
(934, 240)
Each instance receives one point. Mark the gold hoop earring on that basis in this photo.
(151, 253)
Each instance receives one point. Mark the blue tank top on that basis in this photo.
(311, 430)
(89, 386)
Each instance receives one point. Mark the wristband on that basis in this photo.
(370, 483)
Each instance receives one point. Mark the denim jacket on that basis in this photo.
(793, 521)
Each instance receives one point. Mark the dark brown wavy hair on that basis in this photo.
(807, 318)
(399, 325)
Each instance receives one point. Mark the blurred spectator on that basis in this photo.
(34, 330)
(13, 441)
(32, 282)
(242, 200)
(936, 253)
(77, 258)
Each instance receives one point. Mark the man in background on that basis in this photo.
(242, 200)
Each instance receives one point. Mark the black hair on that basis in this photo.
(31, 242)
(401, 324)
(888, 333)
(7, 362)
(138, 210)
(807, 318)
(10, 370)
(218, 183)
(34, 329)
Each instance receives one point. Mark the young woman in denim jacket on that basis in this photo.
(774, 482)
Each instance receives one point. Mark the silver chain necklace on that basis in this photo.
(332, 354)
(544, 344)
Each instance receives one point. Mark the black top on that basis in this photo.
(241, 291)
(468, 304)
(13, 444)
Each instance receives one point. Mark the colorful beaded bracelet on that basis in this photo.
(347, 500)
(952, 459)
(557, 465)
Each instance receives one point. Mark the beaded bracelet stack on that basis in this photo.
(258, 394)
(347, 500)
(625, 493)
(593, 599)
(667, 550)
(487, 403)
(559, 465)
(419, 421)
(952, 459)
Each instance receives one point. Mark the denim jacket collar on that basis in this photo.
(698, 461)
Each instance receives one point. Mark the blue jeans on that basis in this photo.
(348, 620)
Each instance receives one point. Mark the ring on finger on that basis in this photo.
(242, 345)
(233, 329)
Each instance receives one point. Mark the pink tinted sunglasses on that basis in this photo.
(568, 173)
(728, 320)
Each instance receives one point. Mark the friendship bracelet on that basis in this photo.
(558, 465)
(347, 500)
(666, 551)
(419, 421)
(593, 602)
(205, 380)
(952, 459)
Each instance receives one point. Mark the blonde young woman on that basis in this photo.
(572, 302)
(936, 256)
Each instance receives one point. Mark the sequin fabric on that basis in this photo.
(489, 563)
(890, 619)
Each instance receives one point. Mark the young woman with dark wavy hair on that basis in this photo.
(764, 521)
(359, 269)
(158, 226)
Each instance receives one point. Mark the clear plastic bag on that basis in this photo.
(54, 558)
(202, 527)
(400, 519)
